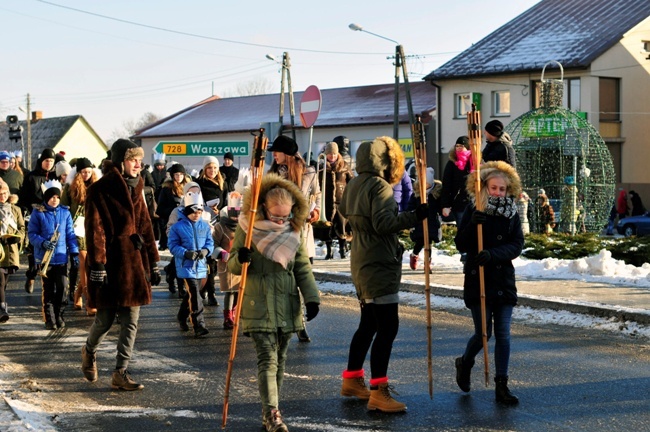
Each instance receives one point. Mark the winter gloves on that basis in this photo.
(191, 255)
(154, 276)
(421, 211)
(478, 217)
(483, 257)
(244, 255)
(48, 245)
(203, 253)
(312, 310)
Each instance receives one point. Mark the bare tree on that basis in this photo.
(129, 127)
(257, 86)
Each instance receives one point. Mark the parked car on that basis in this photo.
(634, 225)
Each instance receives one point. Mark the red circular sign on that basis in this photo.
(310, 106)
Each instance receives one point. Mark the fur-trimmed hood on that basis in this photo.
(515, 183)
(270, 181)
(382, 157)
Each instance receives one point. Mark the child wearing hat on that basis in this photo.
(51, 232)
(190, 242)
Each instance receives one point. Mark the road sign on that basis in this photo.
(310, 106)
(202, 148)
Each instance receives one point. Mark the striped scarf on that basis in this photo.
(277, 242)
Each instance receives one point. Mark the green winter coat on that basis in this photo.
(272, 293)
(368, 203)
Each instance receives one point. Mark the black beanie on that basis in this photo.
(49, 193)
(119, 148)
(464, 140)
(494, 128)
(176, 168)
(83, 163)
(230, 156)
(46, 154)
(284, 144)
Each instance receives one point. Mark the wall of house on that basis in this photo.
(80, 141)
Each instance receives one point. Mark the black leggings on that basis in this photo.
(381, 323)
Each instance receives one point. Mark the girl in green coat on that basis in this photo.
(278, 266)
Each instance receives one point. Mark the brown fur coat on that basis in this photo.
(115, 221)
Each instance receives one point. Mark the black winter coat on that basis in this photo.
(500, 150)
(31, 192)
(454, 194)
(433, 219)
(503, 238)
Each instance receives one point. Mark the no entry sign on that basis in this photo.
(310, 106)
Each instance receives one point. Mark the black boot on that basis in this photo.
(502, 392)
(4, 315)
(464, 374)
(329, 255)
(342, 248)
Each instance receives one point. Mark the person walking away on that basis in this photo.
(498, 145)
(12, 233)
(337, 175)
(278, 271)
(223, 235)
(50, 230)
(344, 148)
(637, 205)
(190, 242)
(31, 194)
(122, 259)
(503, 241)
(434, 189)
(74, 196)
(376, 266)
(288, 164)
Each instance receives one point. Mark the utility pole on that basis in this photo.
(285, 78)
(400, 64)
(29, 133)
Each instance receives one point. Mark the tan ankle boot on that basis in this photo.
(78, 300)
(355, 387)
(380, 399)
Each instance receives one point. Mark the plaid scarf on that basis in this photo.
(277, 242)
(501, 206)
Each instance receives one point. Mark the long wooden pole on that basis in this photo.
(419, 149)
(257, 170)
(474, 132)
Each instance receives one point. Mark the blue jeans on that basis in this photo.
(502, 317)
(104, 318)
(271, 351)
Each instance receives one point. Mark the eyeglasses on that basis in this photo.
(274, 218)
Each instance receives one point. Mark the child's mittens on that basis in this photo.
(203, 253)
(48, 245)
(191, 255)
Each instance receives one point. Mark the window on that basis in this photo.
(609, 99)
(463, 103)
(501, 103)
(646, 46)
(570, 95)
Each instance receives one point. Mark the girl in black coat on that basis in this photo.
(503, 241)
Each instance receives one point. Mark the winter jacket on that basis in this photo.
(223, 236)
(433, 220)
(500, 150)
(337, 177)
(271, 300)
(43, 221)
(368, 204)
(211, 190)
(159, 177)
(403, 191)
(167, 200)
(454, 194)
(502, 237)
(14, 180)
(230, 175)
(188, 235)
(119, 235)
(31, 192)
(12, 223)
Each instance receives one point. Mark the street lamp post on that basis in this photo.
(400, 66)
(286, 72)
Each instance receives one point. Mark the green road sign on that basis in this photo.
(202, 148)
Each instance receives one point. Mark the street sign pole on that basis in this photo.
(310, 105)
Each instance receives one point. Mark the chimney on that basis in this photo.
(37, 115)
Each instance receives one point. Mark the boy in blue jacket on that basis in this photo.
(190, 242)
(46, 219)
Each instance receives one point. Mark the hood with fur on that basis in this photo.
(382, 157)
(515, 183)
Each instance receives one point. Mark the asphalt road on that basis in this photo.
(567, 379)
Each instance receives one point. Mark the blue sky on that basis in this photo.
(111, 71)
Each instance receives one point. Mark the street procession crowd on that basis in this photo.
(93, 233)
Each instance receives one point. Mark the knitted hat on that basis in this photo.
(46, 154)
(50, 188)
(210, 160)
(284, 144)
(189, 185)
(4, 155)
(430, 176)
(494, 128)
(83, 163)
(124, 149)
(230, 156)
(331, 148)
(176, 168)
(61, 168)
(464, 140)
(60, 156)
(18, 153)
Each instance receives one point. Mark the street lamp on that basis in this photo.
(286, 72)
(400, 63)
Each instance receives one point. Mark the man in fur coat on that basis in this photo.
(122, 258)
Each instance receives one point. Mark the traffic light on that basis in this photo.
(15, 129)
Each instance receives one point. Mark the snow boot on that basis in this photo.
(88, 364)
(4, 316)
(381, 399)
(464, 374)
(273, 422)
(29, 286)
(228, 322)
(122, 381)
(502, 392)
(414, 262)
(354, 385)
(329, 255)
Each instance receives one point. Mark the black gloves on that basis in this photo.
(312, 310)
(75, 261)
(203, 253)
(422, 211)
(483, 257)
(48, 245)
(191, 255)
(244, 255)
(97, 277)
(478, 217)
(155, 276)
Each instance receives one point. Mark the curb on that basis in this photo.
(594, 309)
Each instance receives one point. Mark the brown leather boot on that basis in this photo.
(355, 387)
(78, 299)
(380, 399)
(88, 364)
